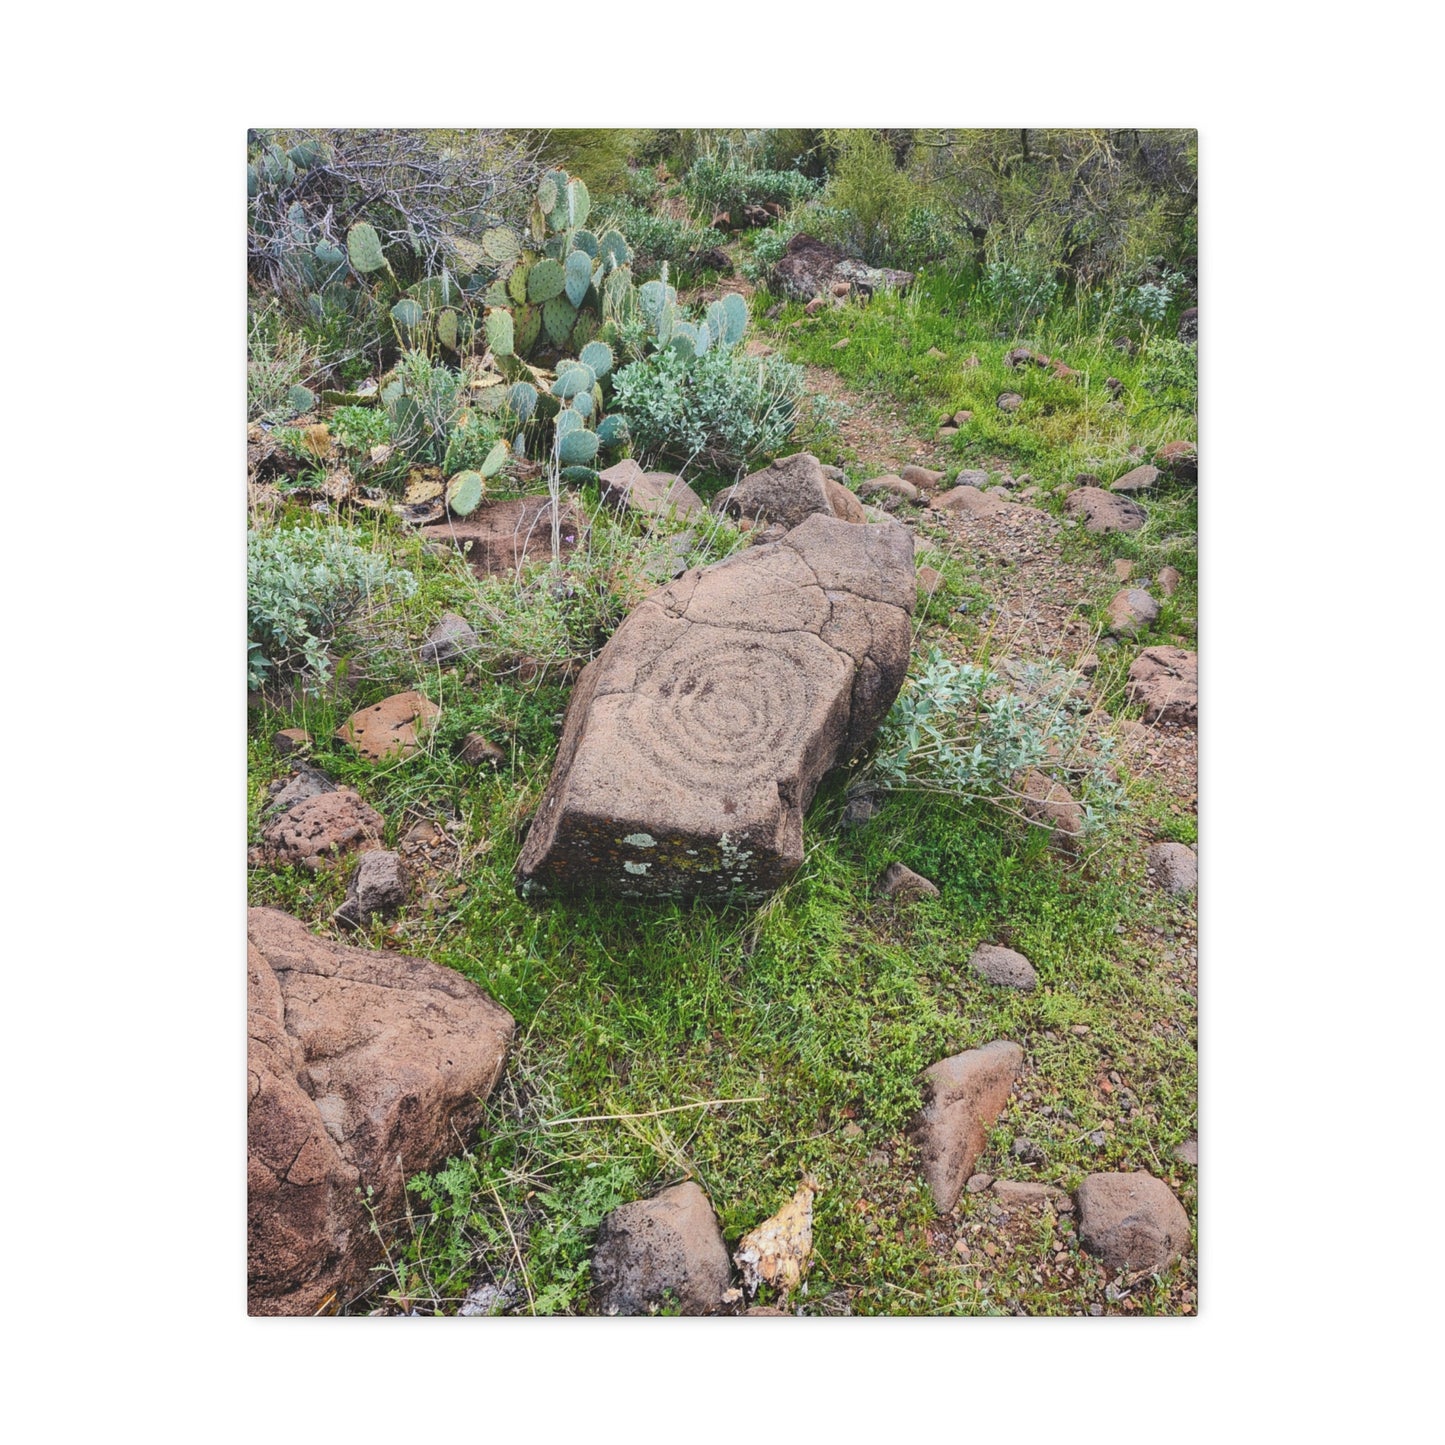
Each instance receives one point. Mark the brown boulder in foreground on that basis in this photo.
(962, 1098)
(695, 740)
(653, 1250)
(1132, 1222)
(364, 1070)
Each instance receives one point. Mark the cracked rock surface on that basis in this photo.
(695, 740)
(363, 1069)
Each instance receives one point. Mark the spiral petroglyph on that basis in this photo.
(696, 739)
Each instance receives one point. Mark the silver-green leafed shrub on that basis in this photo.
(302, 585)
(964, 730)
(723, 409)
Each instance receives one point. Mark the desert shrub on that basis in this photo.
(425, 400)
(656, 239)
(359, 428)
(722, 409)
(303, 584)
(428, 195)
(277, 361)
(1171, 374)
(767, 250)
(1017, 291)
(470, 441)
(868, 192)
(961, 729)
(720, 183)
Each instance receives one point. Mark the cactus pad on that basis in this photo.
(597, 355)
(579, 203)
(496, 459)
(408, 313)
(614, 248)
(464, 492)
(579, 445)
(578, 276)
(529, 327)
(586, 241)
(501, 245)
(575, 379)
(612, 430)
(501, 335)
(363, 245)
(558, 315)
(545, 280)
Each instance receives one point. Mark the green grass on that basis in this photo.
(819, 1009)
(1063, 429)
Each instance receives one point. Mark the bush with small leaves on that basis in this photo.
(964, 730)
(303, 585)
(722, 409)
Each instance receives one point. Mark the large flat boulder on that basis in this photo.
(695, 740)
(364, 1069)
(500, 536)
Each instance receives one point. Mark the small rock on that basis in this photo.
(1123, 568)
(390, 728)
(667, 1245)
(970, 362)
(1169, 580)
(839, 345)
(962, 418)
(1009, 401)
(773, 312)
(1176, 866)
(1104, 511)
(1026, 1151)
(304, 782)
(450, 639)
(922, 477)
(944, 432)
(961, 1249)
(779, 1250)
(378, 886)
(1132, 1222)
(481, 751)
(894, 486)
(1188, 1153)
(321, 827)
(904, 885)
(1114, 386)
(922, 545)
(1178, 459)
(971, 500)
(861, 807)
(1132, 611)
(814, 306)
(963, 1097)
(1088, 664)
(1051, 805)
(1164, 681)
(977, 1183)
(1004, 967)
(291, 740)
(1139, 480)
(929, 581)
(1189, 325)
